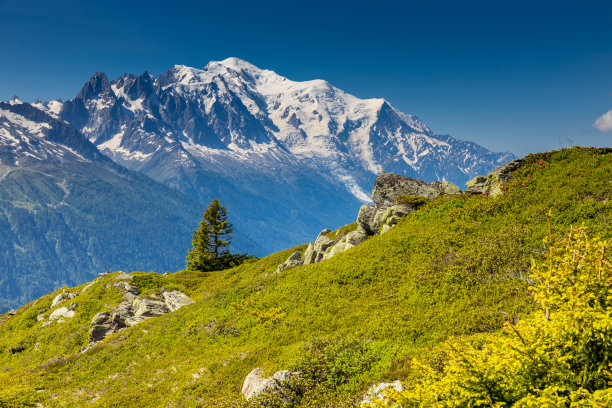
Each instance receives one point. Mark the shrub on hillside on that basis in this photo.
(560, 357)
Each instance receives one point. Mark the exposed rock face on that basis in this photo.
(492, 184)
(372, 219)
(377, 392)
(256, 383)
(133, 311)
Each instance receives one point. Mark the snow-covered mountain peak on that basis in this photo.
(15, 100)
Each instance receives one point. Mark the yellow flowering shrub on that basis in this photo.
(559, 357)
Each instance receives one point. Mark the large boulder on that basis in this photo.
(389, 186)
(60, 314)
(175, 300)
(379, 392)
(146, 308)
(493, 183)
(365, 218)
(255, 383)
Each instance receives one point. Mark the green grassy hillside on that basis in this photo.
(458, 266)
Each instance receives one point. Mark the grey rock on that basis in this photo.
(175, 300)
(101, 326)
(294, 260)
(283, 375)
(365, 218)
(389, 186)
(255, 383)
(61, 313)
(378, 392)
(389, 216)
(63, 296)
(149, 308)
(346, 242)
(316, 250)
(493, 183)
(123, 276)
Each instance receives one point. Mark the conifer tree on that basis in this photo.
(211, 241)
(219, 228)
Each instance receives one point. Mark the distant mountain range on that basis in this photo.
(286, 157)
(68, 212)
(117, 177)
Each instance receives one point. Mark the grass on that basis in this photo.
(455, 267)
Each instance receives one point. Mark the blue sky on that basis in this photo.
(513, 76)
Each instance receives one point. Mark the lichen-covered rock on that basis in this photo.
(175, 300)
(379, 392)
(63, 296)
(316, 250)
(255, 383)
(389, 186)
(492, 184)
(133, 311)
(144, 308)
(389, 216)
(100, 326)
(60, 314)
(294, 260)
(365, 218)
(346, 242)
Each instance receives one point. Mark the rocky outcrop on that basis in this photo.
(133, 311)
(492, 184)
(379, 392)
(389, 186)
(256, 383)
(294, 260)
(394, 197)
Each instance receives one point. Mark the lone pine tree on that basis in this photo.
(211, 241)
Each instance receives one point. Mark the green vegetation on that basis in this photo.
(410, 200)
(459, 267)
(558, 357)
